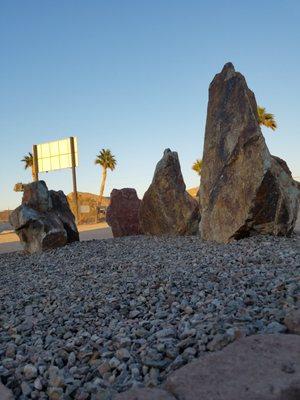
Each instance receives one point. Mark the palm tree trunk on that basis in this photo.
(102, 187)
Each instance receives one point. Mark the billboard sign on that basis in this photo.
(56, 155)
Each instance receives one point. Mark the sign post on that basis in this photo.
(35, 167)
(75, 194)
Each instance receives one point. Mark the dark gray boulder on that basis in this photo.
(44, 220)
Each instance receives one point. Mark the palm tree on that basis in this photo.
(107, 161)
(197, 166)
(266, 119)
(28, 163)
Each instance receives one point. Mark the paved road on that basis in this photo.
(9, 242)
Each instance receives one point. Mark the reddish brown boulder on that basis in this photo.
(244, 190)
(44, 220)
(167, 208)
(123, 212)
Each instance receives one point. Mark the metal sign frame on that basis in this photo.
(72, 166)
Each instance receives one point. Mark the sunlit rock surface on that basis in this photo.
(167, 208)
(244, 190)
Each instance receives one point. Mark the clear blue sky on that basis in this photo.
(133, 76)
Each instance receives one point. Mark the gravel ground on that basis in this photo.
(94, 318)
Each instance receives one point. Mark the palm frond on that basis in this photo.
(28, 160)
(106, 159)
(266, 119)
(197, 166)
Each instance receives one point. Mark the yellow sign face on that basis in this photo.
(56, 155)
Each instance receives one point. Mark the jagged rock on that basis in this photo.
(123, 212)
(44, 220)
(37, 231)
(167, 208)
(244, 190)
(36, 195)
(60, 207)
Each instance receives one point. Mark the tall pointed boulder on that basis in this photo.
(244, 190)
(167, 208)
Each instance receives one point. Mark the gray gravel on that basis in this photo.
(94, 318)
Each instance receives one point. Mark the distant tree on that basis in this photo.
(28, 163)
(197, 166)
(107, 161)
(266, 119)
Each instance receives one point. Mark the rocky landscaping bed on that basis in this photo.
(95, 318)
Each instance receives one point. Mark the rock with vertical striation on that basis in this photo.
(60, 207)
(244, 190)
(167, 208)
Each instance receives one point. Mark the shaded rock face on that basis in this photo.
(261, 367)
(123, 212)
(167, 208)
(44, 220)
(60, 207)
(244, 190)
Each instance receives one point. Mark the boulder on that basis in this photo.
(167, 208)
(244, 190)
(38, 231)
(44, 220)
(123, 212)
(60, 207)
